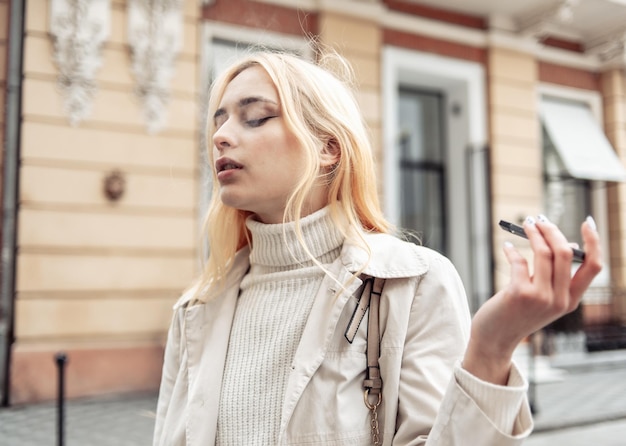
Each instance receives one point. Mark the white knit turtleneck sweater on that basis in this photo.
(274, 303)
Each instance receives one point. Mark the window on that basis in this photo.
(576, 158)
(421, 164)
(567, 200)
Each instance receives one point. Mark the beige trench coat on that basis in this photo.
(424, 321)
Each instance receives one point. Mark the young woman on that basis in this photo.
(259, 351)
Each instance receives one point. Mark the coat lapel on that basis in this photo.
(387, 258)
(318, 331)
(207, 331)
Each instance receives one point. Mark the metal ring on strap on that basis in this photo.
(366, 395)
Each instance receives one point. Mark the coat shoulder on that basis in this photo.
(387, 256)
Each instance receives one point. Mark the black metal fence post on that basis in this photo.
(61, 360)
(532, 375)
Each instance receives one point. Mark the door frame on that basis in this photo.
(463, 85)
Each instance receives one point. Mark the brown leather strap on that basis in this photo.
(371, 291)
(373, 381)
(361, 308)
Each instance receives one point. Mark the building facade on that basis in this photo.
(478, 112)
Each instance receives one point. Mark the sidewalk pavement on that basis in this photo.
(574, 390)
(114, 420)
(578, 389)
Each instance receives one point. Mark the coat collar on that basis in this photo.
(388, 257)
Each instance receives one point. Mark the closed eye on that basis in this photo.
(258, 122)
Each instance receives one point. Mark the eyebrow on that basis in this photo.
(243, 103)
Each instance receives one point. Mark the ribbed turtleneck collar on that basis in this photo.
(277, 245)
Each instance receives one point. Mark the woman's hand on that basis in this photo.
(530, 301)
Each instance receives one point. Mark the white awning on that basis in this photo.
(581, 143)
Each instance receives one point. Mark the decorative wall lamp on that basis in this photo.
(114, 185)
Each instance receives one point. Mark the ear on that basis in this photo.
(330, 154)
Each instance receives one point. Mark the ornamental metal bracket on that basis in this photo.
(155, 36)
(78, 29)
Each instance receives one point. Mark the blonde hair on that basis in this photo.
(321, 111)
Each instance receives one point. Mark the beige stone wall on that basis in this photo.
(97, 278)
(515, 145)
(613, 84)
(360, 42)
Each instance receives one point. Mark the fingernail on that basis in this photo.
(530, 220)
(591, 222)
(543, 218)
(508, 244)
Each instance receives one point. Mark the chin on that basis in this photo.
(234, 201)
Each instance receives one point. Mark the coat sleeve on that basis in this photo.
(433, 408)
(171, 366)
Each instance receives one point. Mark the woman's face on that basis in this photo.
(257, 160)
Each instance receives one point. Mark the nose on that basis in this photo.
(223, 138)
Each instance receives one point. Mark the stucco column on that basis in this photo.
(613, 84)
(360, 42)
(516, 162)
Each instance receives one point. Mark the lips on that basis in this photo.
(224, 164)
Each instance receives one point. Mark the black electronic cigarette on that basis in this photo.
(579, 254)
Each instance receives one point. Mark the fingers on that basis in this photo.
(593, 259)
(561, 260)
(542, 255)
(552, 276)
(552, 256)
(519, 266)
